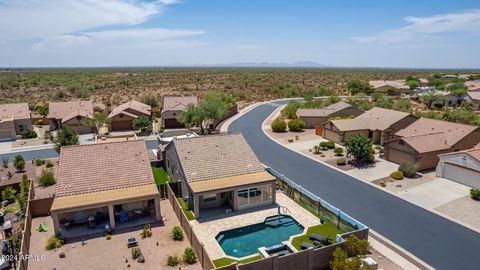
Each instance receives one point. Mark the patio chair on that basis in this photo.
(123, 216)
(318, 238)
(305, 245)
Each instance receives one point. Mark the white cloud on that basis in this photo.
(143, 34)
(27, 19)
(420, 27)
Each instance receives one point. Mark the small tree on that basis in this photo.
(46, 179)
(19, 163)
(149, 99)
(43, 110)
(8, 194)
(99, 119)
(279, 125)
(177, 233)
(360, 147)
(355, 246)
(189, 256)
(65, 136)
(339, 258)
(296, 125)
(408, 169)
(290, 111)
(141, 123)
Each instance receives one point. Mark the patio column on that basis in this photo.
(56, 223)
(158, 213)
(234, 199)
(111, 216)
(196, 205)
(274, 192)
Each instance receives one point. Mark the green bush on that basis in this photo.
(177, 233)
(39, 162)
(475, 194)
(323, 145)
(341, 161)
(408, 169)
(46, 179)
(338, 151)
(48, 163)
(172, 261)
(189, 256)
(330, 145)
(397, 175)
(19, 163)
(29, 134)
(279, 125)
(8, 194)
(296, 125)
(54, 242)
(136, 252)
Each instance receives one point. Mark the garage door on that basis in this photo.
(400, 157)
(5, 135)
(461, 175)
(333, 136)
(172, 123)
(122, 125)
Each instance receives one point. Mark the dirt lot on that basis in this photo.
(99, 253)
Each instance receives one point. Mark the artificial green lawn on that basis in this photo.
(326, 230)
(186, 210)
(161, 176)
(227, 261)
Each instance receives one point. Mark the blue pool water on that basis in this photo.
(246, 240)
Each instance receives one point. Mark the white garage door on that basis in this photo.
(5, 135)
(461, 175)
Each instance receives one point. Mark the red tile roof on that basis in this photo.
(143, 109)
(14, 111)
(178, 103)
(70, 109)
(99, 167)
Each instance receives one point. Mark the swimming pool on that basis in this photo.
(245, 241)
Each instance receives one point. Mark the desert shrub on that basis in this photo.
(136, 252)
(177, 233)
(19, 163)
(355, 246)
(39, 162)
(46, 179)
(316, 149)
(279, 125)
(341, 161)
(296, 125)
(330, 145)
(147, 231)
(48, 163)
(38, 122)
(8, 194)
(172, 261)
(338, 151)
(290, 140)
(397, 175)
(29, 134)
(54, 242)
(475, 194)
(408, 169)
(189, 256)
(108, 236)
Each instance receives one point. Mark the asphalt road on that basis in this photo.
(438, 241)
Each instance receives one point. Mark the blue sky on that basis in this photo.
(437, 34)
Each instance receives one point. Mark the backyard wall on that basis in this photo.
(200, 251)
(27, 232)
(41, 207)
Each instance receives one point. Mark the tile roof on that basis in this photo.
(216, 156)
(473, 85)
(70, 109)
(142, 108)
(474, 153)
(374, 119)
(426, 135)
(100, 167)
(324, 112)
(398, 84)
(178, 103)
(474, 96)
(15, 111)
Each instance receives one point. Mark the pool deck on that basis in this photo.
(206, 230)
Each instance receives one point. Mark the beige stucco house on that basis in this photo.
(378, 124)
(462, 167)
(421, 142)
(397, 86)
(14, 119)
(98, 184)
(71, 114)
(173, 107)
(123, 115)
(316, 117)
(219, 172)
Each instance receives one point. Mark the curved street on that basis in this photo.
(440, 242)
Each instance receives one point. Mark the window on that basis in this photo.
(22, 128)
(210, 197)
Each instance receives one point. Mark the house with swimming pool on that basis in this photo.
(219, 172)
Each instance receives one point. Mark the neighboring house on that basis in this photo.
(398, 86)
(473, 86)
(14, 119)
(123, 115)
(71, 114)
(473, 97)
(424, 90)
(219, 172)
(316, 117)
(462, 167)
(422, 141)
(173, 107)
(377, 124)
(98, 184)
(448, 77)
